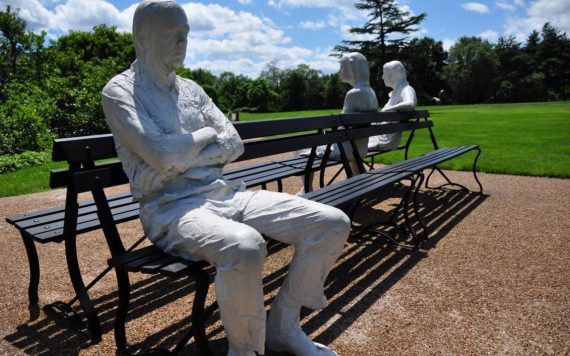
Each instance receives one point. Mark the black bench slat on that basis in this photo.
(86, 148)
(154, 266)
(61, 177)
(60, 215)
(38, 213)
(87, 226)
(430, 159)
(374, 130)
(278, 145)
(256, 129)
(377, 117)
(84, 218)
(136, 265)
(133, 255)
(177, 268)
(345, 192)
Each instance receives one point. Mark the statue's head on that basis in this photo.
(393, 73)
(354, 68)
(160, 33)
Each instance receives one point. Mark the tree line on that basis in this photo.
(52, 88)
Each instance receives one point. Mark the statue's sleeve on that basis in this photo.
(229, 144)
(133, 127)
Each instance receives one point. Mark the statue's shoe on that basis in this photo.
(295, 342)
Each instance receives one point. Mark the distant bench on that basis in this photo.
(85, 173)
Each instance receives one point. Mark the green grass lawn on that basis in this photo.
(521, 139)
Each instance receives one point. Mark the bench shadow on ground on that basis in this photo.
(365, 271)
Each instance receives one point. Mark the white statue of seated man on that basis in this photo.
(173, 142)
(402, 98)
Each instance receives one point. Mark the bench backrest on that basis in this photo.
(364, 125)
(268, 137)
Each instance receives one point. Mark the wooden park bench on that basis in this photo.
(90, 171)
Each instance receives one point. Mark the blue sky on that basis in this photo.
(244, 35)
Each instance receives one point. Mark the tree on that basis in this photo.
(232, 92)
(334, 91)
(554, 62)
(12, 39)
(384, 34)
(261, 96)
(472, 70)
(425, 60)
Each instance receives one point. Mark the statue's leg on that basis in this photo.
(318, 232)
(238, 252)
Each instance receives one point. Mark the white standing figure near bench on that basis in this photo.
(402, 98)
(173, 142)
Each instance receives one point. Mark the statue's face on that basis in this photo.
(389, 76)
(345, 72)
(168, 39)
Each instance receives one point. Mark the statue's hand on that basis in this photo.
(207, 135)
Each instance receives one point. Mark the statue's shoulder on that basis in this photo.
(189, 85)
(120, 83)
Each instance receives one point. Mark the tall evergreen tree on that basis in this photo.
(383, 35)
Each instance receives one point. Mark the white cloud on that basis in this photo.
(220, 38)
(475, 7)
(506, 6)
(245, 2)
(311, 25)
(557, 12)
(490, 36)
(447, 43)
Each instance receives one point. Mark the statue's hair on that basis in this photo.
(398, 67)
(145, 12)
(358, 66)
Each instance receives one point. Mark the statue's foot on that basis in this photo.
(295, 341)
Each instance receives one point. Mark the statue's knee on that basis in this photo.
(339, 221)
(251, 250)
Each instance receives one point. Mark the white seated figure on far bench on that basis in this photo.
(361, 98)
(402, 98)
(173, 142)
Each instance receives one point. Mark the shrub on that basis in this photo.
(11, 163)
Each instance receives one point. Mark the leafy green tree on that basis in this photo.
(472, 70)
(233, 91)
(24, 119)
(12, 39)
(554, 62)
(425, 60)
(261, 96)
(384, 34)
(334, 91)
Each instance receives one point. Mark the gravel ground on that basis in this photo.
(492, 279)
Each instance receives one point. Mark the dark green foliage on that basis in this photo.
(472, 70)
(425, 60)
(11, 163)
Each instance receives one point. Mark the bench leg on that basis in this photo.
(416, 208)
(80, 290)
(122, 309)
(404, 203)
(406, 213)
(33, 286)
(199, 315)
(449, 182)
(475, 171)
